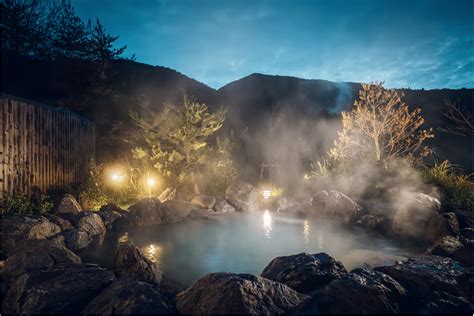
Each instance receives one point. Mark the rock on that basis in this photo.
(68, 204)
(204, 201)
(38, 254)
(64, 224)
(173, 194)
(131, 262)
(374, 222)
(446, 246)
(201, 214)
(76, 239)
(334, 204)
(412, 215)
(143, 213)
(110, 213)
(284, 204)
(465, 218)
(93, 225)
(467, 233)
(243, 196)
(152, 212)
(465, 254)
(362, 291)
(222, 206)
(229, 293)
(304, 272)
(130, 297)
(422, 276)
(442, 225)
(60, 289)
(18, 228)
(445, 303)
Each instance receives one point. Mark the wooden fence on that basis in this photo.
(42, 146)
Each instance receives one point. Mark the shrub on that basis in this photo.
(20, 204)
(92, 192)
(457, 187)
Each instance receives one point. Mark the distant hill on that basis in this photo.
(105, 93)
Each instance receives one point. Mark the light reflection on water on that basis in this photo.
(267, 224)
(246, 243)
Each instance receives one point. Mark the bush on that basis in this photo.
(20, 204)
(457, 188)
(92, 192)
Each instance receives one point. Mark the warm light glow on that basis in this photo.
(123, 239)
(267, 223)
(153, 252)
(266, 193)
(306, 176)
(151, 182)
(117, 177)
(306, 230)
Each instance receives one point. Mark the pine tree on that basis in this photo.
(101, 43)
(177, 139)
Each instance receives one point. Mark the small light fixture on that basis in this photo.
(150, 182)
(266, 193)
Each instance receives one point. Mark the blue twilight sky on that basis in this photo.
(417, 43)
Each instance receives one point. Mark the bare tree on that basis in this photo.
(381, 127)
(459, 122)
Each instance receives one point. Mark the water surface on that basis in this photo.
(246, 243)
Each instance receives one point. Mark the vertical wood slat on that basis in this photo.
(42, 146)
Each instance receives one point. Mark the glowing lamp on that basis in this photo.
(150, 182)
(117, 177)
(266, 194)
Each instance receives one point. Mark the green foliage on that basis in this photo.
(53, 30)
(458, 188)
(177, 139)
(20, 204)
(92, 192)
(220, 170)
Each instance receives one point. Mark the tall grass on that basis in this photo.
(457, 187)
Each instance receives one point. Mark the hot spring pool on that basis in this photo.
(246, 243)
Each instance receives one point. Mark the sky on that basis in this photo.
(417, 44)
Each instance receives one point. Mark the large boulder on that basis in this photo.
(243, 196)
(204, 201)
(422, 276)
(76, 239)
(284, 204)
(222, 206)
(334, 204)
(374, 222)
(63, 223)
(93, 225)
(131, 262)
(68, 204)
(144, 212)
(152, 212)
(18, 228)
(304, 272)
(362, 291)
(412, 215)
(110, 214)
(442, 225)
(229, 293)
(130, 297)
(31, 255)
(446, 246)
(60, 289)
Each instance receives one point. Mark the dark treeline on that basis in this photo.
(52, 30)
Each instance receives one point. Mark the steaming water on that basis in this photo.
(246, 243)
